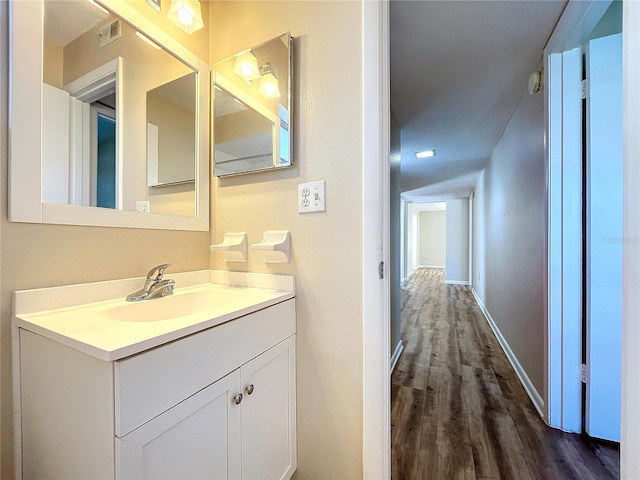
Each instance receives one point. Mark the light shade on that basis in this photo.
(268, 83)
(186, 14)
(246, 66)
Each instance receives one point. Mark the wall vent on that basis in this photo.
(110, 32)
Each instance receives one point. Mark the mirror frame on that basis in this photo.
(25, 111)
(230, 87)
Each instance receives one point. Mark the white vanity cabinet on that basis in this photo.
(241, 426)
(218, 404)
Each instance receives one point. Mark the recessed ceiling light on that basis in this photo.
(426, 154)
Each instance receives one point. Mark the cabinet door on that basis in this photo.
(198, 438)
(269, 414)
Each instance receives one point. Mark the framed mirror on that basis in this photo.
(252, 109)
(109, 119)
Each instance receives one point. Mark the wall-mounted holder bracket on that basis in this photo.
(275, 246)
(234, 247)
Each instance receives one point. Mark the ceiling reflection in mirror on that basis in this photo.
(252, 109)
(119, 115)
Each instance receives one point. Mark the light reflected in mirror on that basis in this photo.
(252, 109)
(106, 86)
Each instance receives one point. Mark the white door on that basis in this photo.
(55, 145)
(198, 438)
(604, 237)
(269, 414)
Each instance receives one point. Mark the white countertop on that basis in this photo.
(112, 328)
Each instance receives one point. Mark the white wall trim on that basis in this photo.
(630, 421)
(471, 195)
(535, 397)
(457, 282)
(395, 357)
(431, 266)
(376, 323)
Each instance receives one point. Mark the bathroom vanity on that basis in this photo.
(199, 384)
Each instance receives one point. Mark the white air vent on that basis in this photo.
(110, 32)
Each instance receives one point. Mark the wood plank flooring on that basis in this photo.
(458, 410)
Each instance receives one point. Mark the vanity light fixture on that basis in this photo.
(186, 14)
(426, 153)
(246, 66)
(268, 82)
(155, 4)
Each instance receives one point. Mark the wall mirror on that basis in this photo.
(252, 109)
(123, 110)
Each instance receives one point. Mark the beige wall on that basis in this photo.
(433, 239)
(176, 139)
(326, 247)
(46, 255)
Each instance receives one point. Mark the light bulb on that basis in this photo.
(246, 69)
(186, 14)
(269, 86)
(268, 82)
(185, 17)
(246, 66)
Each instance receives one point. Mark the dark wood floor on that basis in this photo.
(458, 409)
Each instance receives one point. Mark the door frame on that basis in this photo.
(630, 425)
(563, 270)
(376, 350)
(376, 430)
(376, 415)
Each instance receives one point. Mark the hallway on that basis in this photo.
(457, 408)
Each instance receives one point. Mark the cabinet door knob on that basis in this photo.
(249, 389)
(237, 399)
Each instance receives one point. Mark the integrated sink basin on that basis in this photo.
(181, 304)
(96, 319)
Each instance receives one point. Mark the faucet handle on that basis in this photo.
(156, 273)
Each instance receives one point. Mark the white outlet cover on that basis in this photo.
(311, 197)
(142, 206)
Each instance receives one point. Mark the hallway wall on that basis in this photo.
(509, 238)
(457, 241)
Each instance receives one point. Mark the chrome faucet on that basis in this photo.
(154, 285)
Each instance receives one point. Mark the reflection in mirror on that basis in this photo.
(244, 137)
(112, 98)
(171, 132)
(252, 109)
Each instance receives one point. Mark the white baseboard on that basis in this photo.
(395, 356)
(431, 266)
(535, 397)
(457, 282)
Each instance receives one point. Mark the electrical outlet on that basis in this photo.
(311, 197)
(142, 206)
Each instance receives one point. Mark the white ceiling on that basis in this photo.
(458, 71)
